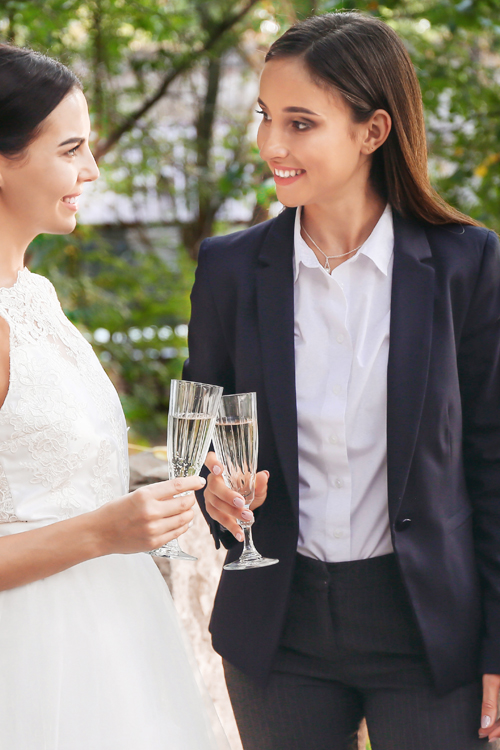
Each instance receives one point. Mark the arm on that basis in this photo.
(479, 371)
(138, 522)
(210, 362)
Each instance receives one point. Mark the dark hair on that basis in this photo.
(367, 63)
(31, 86)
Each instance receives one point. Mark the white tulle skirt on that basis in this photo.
(93, 658)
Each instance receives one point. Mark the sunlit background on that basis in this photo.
(171, 86)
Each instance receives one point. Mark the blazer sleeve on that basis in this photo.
(209, 356)
(479, 372)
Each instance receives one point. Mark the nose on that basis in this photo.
(89, 170)
(271, 144)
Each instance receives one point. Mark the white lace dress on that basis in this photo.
(91, 658)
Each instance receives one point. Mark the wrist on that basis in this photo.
(94, 539)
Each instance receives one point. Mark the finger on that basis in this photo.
(232, 510)
(492, 733)
(213, 464)
(174, 507)
(228, 522)
(261, 482)
(169, 536)
(166, 490)
(171, 524)
(216, 486)
(491, 685)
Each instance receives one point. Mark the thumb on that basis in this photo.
(261, 480)
(213, 464)
(491, 685)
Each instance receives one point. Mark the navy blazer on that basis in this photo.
(443, 433)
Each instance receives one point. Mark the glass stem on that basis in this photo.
(249, 551)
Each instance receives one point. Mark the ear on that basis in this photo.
(378, 128)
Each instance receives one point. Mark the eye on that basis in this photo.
(265, 116)
(301, 126)
(72, 151)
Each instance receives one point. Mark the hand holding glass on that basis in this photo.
(191, 420)
(236, 445)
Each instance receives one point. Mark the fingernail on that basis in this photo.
(239, 537)
(485, 722)
(202, 480)
(247, 515)
(238, 502)
(267, 473)
(216, 470)
(190, 524)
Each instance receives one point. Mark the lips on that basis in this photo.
(288, 172)
(71, 201)
(287, 175)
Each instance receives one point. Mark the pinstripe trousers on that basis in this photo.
(351, 649)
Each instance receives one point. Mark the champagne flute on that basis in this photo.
(236, 443)
(191, 420)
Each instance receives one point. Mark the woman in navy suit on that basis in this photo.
(366, 316)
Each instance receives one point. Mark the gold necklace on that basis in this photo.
(327, 266)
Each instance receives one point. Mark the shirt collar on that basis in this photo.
(379, 246)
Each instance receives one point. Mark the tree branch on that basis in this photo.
(180, 66)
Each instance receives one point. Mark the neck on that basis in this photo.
(14, 239)
(342, 226)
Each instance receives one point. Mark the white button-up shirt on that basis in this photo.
(341, 352)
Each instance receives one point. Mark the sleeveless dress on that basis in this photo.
(92, 658)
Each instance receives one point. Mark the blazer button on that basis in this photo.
(403, 524)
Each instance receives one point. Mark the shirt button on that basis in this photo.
(333, 440)
(403, 524)
(338, 483)
(338, 533)
(336, 389)
(340, 338)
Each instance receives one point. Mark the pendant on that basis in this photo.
(327, 265)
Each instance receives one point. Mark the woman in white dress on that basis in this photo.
(91, 654)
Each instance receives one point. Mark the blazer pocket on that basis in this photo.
(458, 518)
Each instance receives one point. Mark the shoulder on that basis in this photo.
(243, 247)
(466, 254)
(245, 239)
(42, 283)
(455, 249)
(467, 239)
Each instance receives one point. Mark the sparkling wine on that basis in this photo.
(236, 442)
(189, 438)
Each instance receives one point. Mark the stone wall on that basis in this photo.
(193, 586)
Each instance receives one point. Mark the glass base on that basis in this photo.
(251, 561)
(172, 552)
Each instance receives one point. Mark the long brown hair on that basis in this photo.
(366, 62)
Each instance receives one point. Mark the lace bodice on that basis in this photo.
(63, 439)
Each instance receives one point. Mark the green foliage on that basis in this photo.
(154, 74)
(455, 47)
(133, 306)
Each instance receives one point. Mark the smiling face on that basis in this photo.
(39, 192)
(315, 151)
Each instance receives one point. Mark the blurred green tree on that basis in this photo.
(455, 47)
(133, 307)
(167, 83)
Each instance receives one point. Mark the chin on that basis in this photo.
(62, 227)
(288, 202)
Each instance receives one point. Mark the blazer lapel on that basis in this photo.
(412, 306)
(275, 307)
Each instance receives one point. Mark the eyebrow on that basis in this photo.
(71, 140)
(295, 110)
